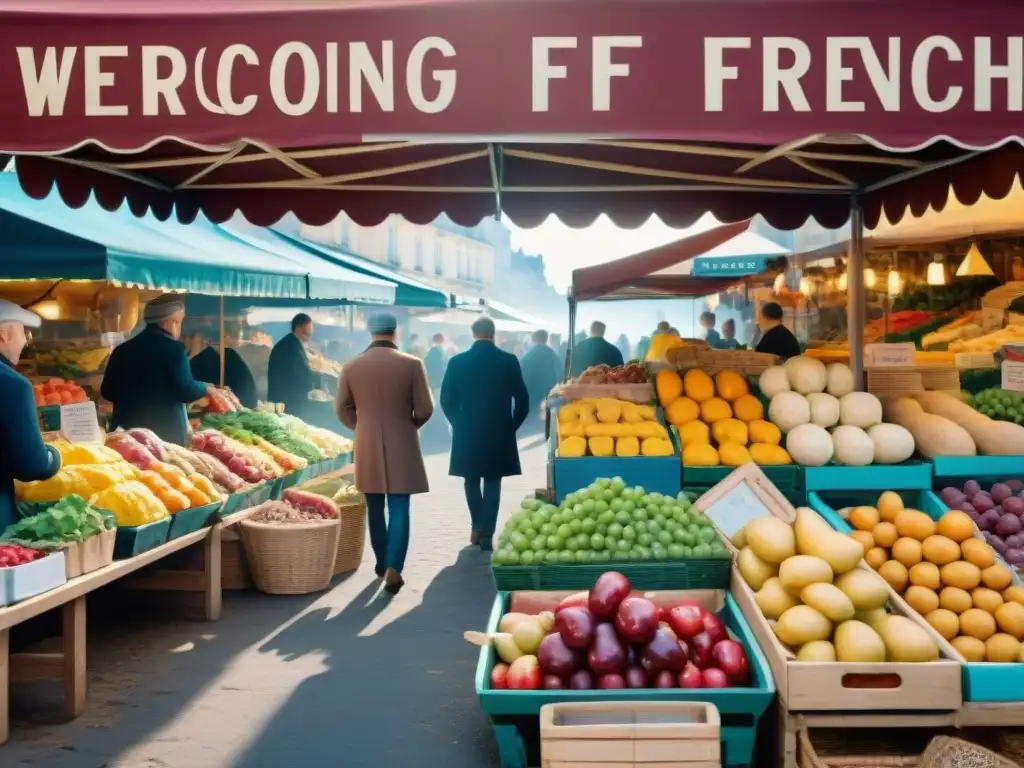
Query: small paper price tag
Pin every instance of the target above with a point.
(1013, 376)
(889, 355)
(79, 423)
(735, 509)
(111, 339)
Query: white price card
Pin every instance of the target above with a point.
(79, 423)
(111, 339)
(889, 355)
(1013, 375)
(735, 509)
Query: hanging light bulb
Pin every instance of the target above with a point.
(936, 273)
(974, 264)
(895, 283)
(712, 302)
(48, 309)
(780, 283)
(869, 278)
(805, 286)
(841, 283)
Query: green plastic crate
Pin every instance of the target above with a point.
(190, 520)
(514, 714)
(693, 573)
(132, 541)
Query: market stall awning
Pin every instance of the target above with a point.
(630, 107)
(657, 273)
(44, 239)
(465, 318)
(327, 279)
(407, 291)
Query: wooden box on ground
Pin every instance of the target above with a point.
(630, 734)
(95, 552)
(827, 686)
(514, 713)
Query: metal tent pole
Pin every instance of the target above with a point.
(855, 298)
(222, 340)
(571, 341)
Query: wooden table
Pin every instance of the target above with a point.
(69, 665)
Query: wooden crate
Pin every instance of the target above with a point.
(630, 735)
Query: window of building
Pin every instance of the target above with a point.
(392, 247)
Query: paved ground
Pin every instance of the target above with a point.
(346, 678)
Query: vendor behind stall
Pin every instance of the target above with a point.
(23, 456)
(237, 377)
(289, 376)
(148, 377)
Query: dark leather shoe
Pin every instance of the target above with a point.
(474, 537)
(393, 582)
(379, 570)
(486, 545)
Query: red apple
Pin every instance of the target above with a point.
(690, 677)
(687, 620)
(579, 600)
(552, 683)
(668, 628)
(715, 678)
(665, 679)
(524, 674)
(714, 627)
(700, 650)
(732, 660)
(499, 676)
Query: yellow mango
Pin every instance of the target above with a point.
(731, 385)
(733, 454)
(568, 413)
(681, 411)
(647, 412)
(767, 454)
(572, 447)
(748, 408)
(669, 387)
(698, 385)
(650, 429)
(631, 413)
(609, 412)
(695, 432)
(598, 429)
(601, 446)
(656, 446)
(729, 431)
(700, 455)
(627, 446)
(761, 431)
(715, 409)
(571, 429)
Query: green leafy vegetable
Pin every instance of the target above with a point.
(70, 519)
(269, 427)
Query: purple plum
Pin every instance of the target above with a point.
(1014, 556)
(1014, 541)
(971, 488)
(1014, 505)
(995, 542)
(982, 502)
(1015, 485)
(1008, 524)
(1000, 492)
(952, 497)
(988, 520)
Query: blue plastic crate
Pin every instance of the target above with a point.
(981, 681)
(910, 476)
(190, 520)
(135, 540)
(740, 708)
(656, 474)
(976, 467)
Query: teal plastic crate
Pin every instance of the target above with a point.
(982, 682)
(249, 498)
(141, 538)
(786, 478)
(190, 520)
(299, 476)
(693, 573)
(514, 714)
(977, 467)
(909, 476)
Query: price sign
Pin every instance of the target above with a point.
(79, 423)
(889, 355)
(111, 340)
(1013, 375)
(735, 509)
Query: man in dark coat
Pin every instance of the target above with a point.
(436, 433)
(237, 376)
(595, 351)
(485, 399)
(777, 339)
(542, 370)
(23, 454)
(289, 377)
(148, 378)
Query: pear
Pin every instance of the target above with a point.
(547, 620)
(505, 646)
(509, 620)
(527, 634)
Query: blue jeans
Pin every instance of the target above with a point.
(389, 536)
(483, 504)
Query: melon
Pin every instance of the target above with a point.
(773, 381)
(839, 379)
(893, 443)
(806, 375)
(824, 409)
(810, 445)
(860, 409)
(789, 410)
(853, 447)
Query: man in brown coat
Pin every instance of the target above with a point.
(383, 396)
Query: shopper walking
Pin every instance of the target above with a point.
(24, 456)
(383, 396)
(542, 370)
(148, 378)
(485, 399)
(436, 434)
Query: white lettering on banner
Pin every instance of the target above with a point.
(777, 77)
(790, 75)
(163, 88)
(544, 71)
(604, 69)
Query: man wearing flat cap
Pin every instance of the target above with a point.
(23, 454)
(383, 396)
(148, 378)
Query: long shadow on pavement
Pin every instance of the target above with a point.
(401, 697)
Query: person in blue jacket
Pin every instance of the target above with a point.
(484, 397)
(24, 456)
(148, 378)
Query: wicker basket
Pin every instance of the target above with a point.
(353, 536)
(291, 558)
(860, 747)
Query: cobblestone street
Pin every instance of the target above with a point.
(345, 678)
